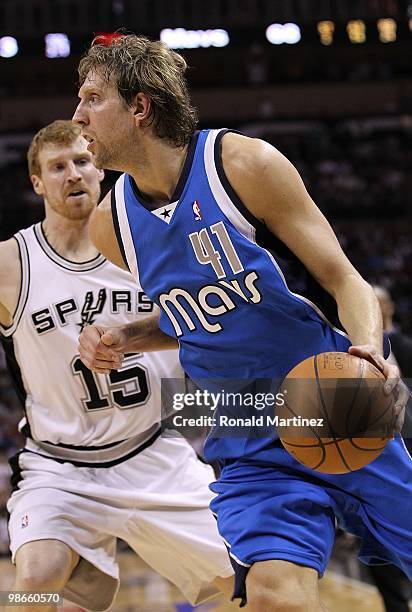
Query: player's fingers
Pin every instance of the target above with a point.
(365, 351)
(90, 333)
(104, 358)
(91, 346)
(370, 353)
(390, 371)
(402, 395)
(89, 338)
(392, 381)
(112, 338)
(107, 354)
(99, 366)
(399, 420)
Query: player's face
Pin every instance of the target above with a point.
(107, 122)
(69, 181)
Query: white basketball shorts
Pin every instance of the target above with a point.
(157, 502)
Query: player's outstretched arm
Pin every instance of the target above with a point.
(102, 349)
(272, 189)
(10, 279)
(103, 235)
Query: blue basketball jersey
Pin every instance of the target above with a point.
(222, 292)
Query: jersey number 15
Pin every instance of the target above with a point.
(128, 387)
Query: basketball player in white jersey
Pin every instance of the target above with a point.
(95, 467)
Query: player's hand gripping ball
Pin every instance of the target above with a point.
(336, 417)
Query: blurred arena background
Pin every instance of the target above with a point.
(328, 82)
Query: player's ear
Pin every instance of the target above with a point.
(37, 184)
(101, 175)
(141, 106)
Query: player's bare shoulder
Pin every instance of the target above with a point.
(250, 156)
(10, 279)
(264, 179)
(103, 234)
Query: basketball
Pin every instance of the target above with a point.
(335, 417)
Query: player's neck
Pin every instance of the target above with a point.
(158, 175)
(70, 239)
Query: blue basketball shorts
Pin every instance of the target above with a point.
(271, 507)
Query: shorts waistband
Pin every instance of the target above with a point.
(105, 456)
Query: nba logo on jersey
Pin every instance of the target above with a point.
(24, 521)
(196, 211)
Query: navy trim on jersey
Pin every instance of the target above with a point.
(225, 181)
(187, 166)
(105, 464)
(16, 471)
(286, 259)
(16, 378)
(62, 262)
(117, 227)
(241, 572)
(85, 448)
(181, 183)
(264, 237)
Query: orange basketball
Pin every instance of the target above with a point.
(336, 417)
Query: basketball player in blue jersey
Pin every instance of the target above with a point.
(190, 217)
(94, 467)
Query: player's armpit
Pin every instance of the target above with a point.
(103, 235)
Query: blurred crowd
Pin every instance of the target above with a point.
(255, 65)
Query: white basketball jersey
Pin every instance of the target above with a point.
(65, 403)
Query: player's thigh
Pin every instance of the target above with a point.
(45, 561)
(78, 521)
(380, 497)
(282, 586)
(178, 534)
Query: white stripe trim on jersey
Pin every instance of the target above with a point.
(124, 226)
(238, 561)
(24, 286)
(241, 224)
(405, 448)
(219, 193)
(230, 546)
(92, 456)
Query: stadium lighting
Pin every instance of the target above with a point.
(180, 38)
(279, 33)
(356, 30)
(326, 30)
(387, 30)
(8, 46)
(57, 45)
